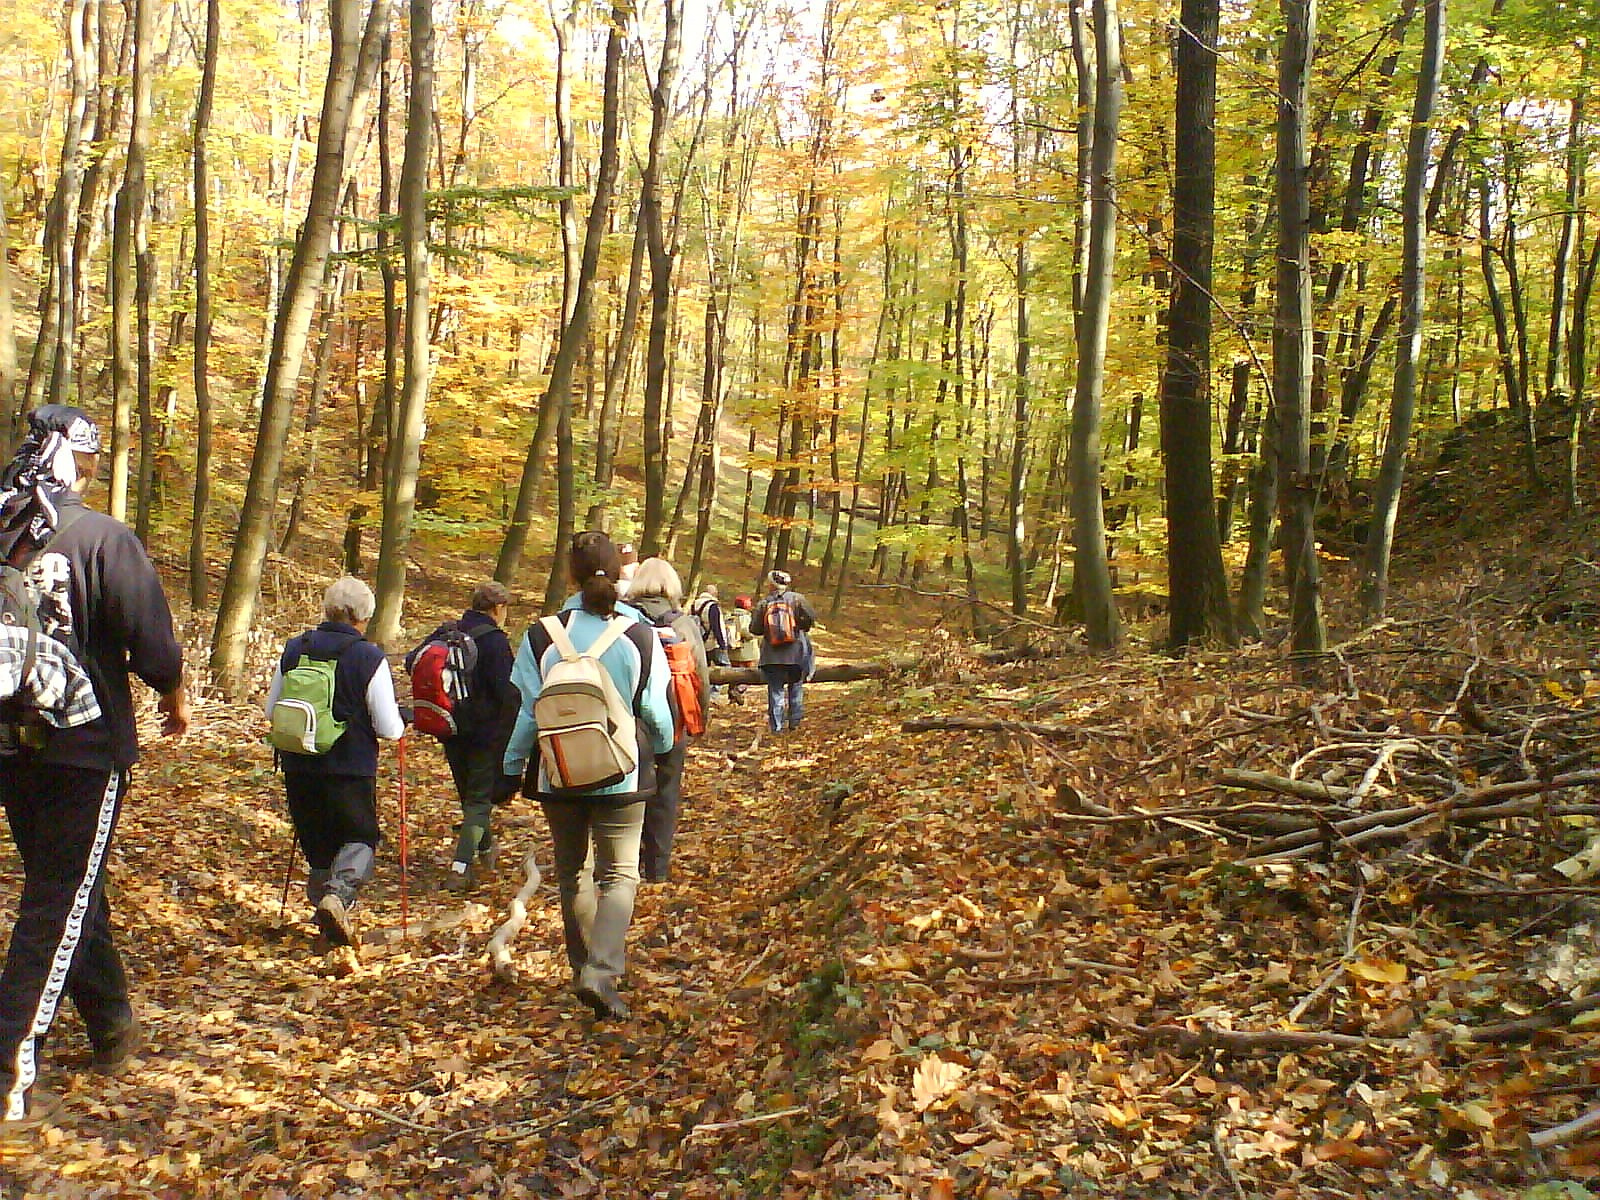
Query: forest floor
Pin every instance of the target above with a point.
(1026, 958)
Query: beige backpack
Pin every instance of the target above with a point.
(587, 735)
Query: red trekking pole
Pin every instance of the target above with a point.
(405, 848)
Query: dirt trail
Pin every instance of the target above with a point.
(276, 1068)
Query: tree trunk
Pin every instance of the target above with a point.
(1292, 329)
(1092, 571)
(662, 254)
(1413, 291)
(10, 419)
(381, 425)
(51, 375)
(1248, 615)
(405, 449)
(576, 331)
(1577, 351)
(1554, 373)
(1197, 584)
(130, 382)
(615, 388)
(351, 68)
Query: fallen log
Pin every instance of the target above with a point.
(1554, 1016)
(1249, 1041)
(989, 725)
(1304, 789)
(827, 673)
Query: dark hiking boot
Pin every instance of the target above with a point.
(458, 879)
(333, 919)
(112, 1053)
(603, 999)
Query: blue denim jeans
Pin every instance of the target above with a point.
(785, 704)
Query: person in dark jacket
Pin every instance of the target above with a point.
(785, 667)
(484, 722)
(657, 592)
(333, 797)
(99, 595)
(595, 834)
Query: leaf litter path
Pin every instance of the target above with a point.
(883, 969)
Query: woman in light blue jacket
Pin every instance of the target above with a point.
(596, 893)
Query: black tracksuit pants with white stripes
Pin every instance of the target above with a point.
(62, 819)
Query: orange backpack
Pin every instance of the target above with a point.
(683, 683)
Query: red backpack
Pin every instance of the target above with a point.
(441, 679)
(782, 628)
(683, 683)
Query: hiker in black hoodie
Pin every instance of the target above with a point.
(484, 721)
(98, 595)
(333, 797)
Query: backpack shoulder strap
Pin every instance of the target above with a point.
(615, 628)
(482, 632)
(558, 637)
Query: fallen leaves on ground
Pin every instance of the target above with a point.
(884, 967)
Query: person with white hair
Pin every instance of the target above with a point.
(333, 793)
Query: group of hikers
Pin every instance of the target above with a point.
(590, 715)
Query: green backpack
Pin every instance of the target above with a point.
(302, 718)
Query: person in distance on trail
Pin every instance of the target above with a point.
(707, 610)
(783, 621)
(658, 593)
(744, 647)
(482, 722)
(596, 819)
(630, 563)
(333, 794)
(104, 619)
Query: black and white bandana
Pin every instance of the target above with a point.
(43, 469)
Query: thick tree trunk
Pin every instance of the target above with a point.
(351, 68)
(405, 450)
(1413, 292)
(1292, 329)
(1198, 586)
(1092, 571)
(576, 331)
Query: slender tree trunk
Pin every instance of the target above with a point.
(10, 419)
(1092, 571)
(1554, 374)
(1577, 351)
(662, 255)
(51, 370)
(351, 67)
(1414, 295)
(1249, 615)
(130, 382)
(1292, 328)
(555, 588)
(614, 392)
(405, 450)
(576, 331)
(1198, 586)
(380, 429)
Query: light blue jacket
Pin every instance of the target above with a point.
(638, 668)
